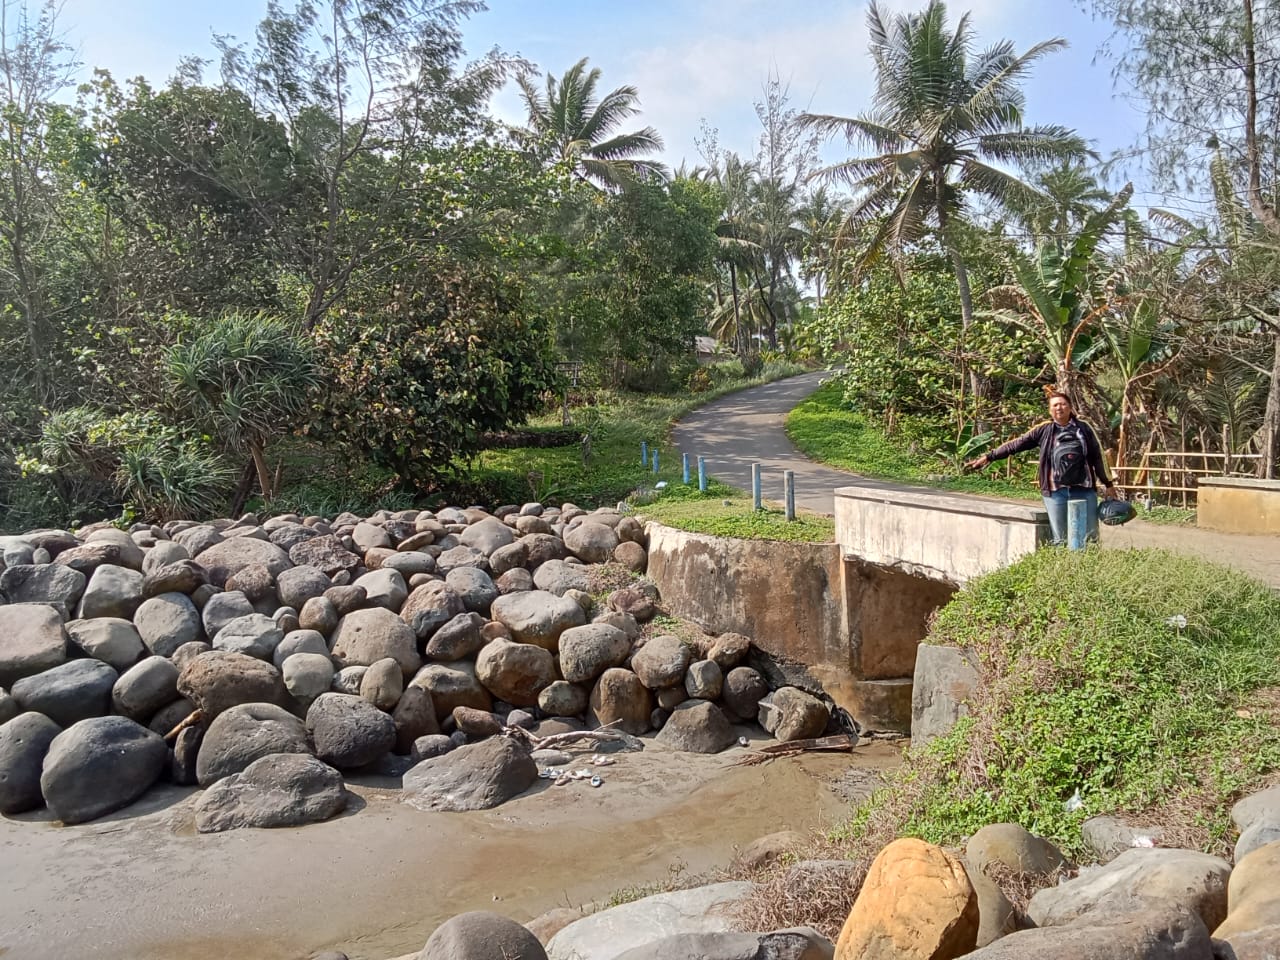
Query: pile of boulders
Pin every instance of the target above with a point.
(263, 658)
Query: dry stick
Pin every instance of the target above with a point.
(843, 743)
(559, 739)
(193, 718)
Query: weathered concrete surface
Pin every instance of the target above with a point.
(942, 536)
(945, 678)
(847, 622)
(1238, 505)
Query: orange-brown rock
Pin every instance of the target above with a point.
(916, 904)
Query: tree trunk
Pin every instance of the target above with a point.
(1270, 447)
(737, 311)
(260, 464)
(1265, 213)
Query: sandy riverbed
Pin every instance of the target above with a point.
(142, 885)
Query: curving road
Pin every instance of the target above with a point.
(749, 427)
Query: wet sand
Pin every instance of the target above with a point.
(374, 883)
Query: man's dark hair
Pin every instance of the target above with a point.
(1057, 393)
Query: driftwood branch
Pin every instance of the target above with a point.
(193, 718)
(842, 743)
(573, 736)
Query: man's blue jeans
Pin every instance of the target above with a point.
(1056, 504)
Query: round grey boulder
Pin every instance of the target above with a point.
(514, 581)
(558, 577)
(222, 608)
(363, 637)
(349, 732)
(255, 635)
(100, 765)
(168, 621)
(24, 741)
(704, 680)
(297, 585)
(245, 733)
(42, 583)
(318, 614)
(33, 640)
(562, 699)
(591, 649)
(537, 617)
(743, 690)
(661, 662)
(384, 588)
(430, 607)
(218, 680)
(233, 554)
(144, 688)
(791, 714)
(410, 562)
(481, 935)
(279, 790)
(591, 542)
(458, 639)
(112, 591)
(515, 672)
(300, 641)
(162, 554)
(619, 697)
(452, 685)
(69, 692)
(181, 576)
(307, 675)
(697, 726)
(113, 641)
(474, 586)
(383, 684)
(487, 536)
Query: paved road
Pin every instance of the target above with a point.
(748, 427)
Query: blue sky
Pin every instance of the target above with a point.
(689, 60)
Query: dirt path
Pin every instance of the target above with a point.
(749, 427)
(374, 883)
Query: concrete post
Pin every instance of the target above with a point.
(655, 459)
(789, 492)
(644, 453)
(1077, 523)
(684, 468)
(756, 498)
(702, 474)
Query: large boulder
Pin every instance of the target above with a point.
(167, 621)
(143, 689)
(1140, 930)
(558, 577)
(383, 684)
(42, 583)
(88, 557)
(453, 685)
(916, 903)
(515, 672)
(791, 714)
(297, 585)
(429, 607)
(562, 699)
(537, 617)
(591, 542)
(110, 639)
(245, 733)
(1015, 848)
(197, 539)
(218, 680)
(697, 726)
(1253, 896)
(112, 591)
(348, 731)
(704, 680)
(541, 547)
(481, 935)
(591, 649)
(232, 555)
(619, 698)
(181, 576)
(460, 556)
(744, 688)
(307, 675)
(799, 943)
(366, 536)
(474, 586)
(384, 588)
(609, 933)
(945, 678)
(256, 635)
(1195, 879)
(487, 536)
(363, 637)
(414, 717)
(69, 692)
(24, 741)
(131, 554)
(278, 790)
(100, 765)
(458, 639)
(32, 639)
(662, 662)
(326, 553)
(476, 776)
(221, 608)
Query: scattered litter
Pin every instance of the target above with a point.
(563, 779)
(597, 781)
(660, 485)
(1177, 621)
(1143, 841)
(581, 774)
(1074, 802)
(744, 742)
(600, 760)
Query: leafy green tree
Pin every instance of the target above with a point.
(247, 378)
(942, 121)
(570, 123)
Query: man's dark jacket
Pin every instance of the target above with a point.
(1041, 435)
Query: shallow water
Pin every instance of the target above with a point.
(142, 885)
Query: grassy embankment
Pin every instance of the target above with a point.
(1146, 682)
(607, 471)
(826, 430)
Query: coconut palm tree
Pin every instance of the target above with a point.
(943, 117)
(569, 123)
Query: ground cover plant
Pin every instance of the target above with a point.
(1145, 683)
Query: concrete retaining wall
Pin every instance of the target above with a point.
(1238, 505)
(855, 625)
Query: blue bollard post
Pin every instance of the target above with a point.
(789, 492)
(655, 459)
(684, 467)
(702, 474)
(644, 453)
(1077, 514)
(756, 498)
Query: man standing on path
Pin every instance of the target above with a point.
(1071, 466)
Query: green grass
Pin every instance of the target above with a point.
(1090, 682)
(1171, 516)
(725, 512)
(826, 430)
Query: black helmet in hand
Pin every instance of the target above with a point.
(1115, 512)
